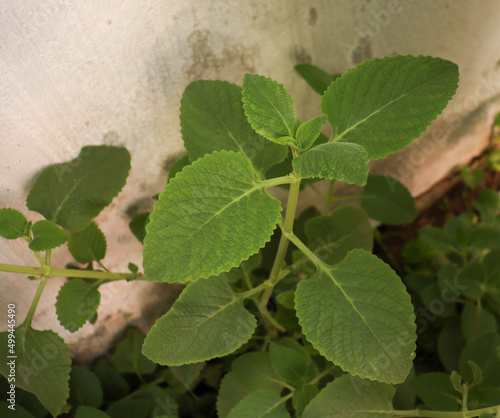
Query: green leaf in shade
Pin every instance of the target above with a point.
(269, 108)
(450, 344)
(76, 303)
(71, 194)
(114, 385)
(210, 218)
(177, 167)
(318, 79)
(472, 178)
(162, 404)
(187, 373)
(262, 403)
(213, 119)
(254, 371)
(340, 161)
(436, 390)
(231, 392)
(485, 237)
(348, 396)
(405, 396)
(13, 223)
(456, 381)
(359, 308)
(430, 295)
(131, 408)
(138, 225)
(458, 230)
(43, 365)
(208, 311)
(87, 245)
(436, 238)
(309, 131)
(47, 235)
(84, 411)
(84, 388)
(477, 374)
(286, 299)
(128, 357)
(332, 237)
(388, 201)
(19, 412)
(302, 396)
(471, 279)
(482, 351)
(477, 321)
(488, 204)
(290, 365)
(385, 103)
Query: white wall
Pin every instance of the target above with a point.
(93, 72)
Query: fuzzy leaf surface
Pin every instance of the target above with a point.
(290, 365)
(385, 103)
(309, 131)
(47, 235)
(386, 200)
(208, 311)
(76, 303)
(71, 194)
(334, 160)
(13, 223)
(231, 392)
(87, 245)
(43, 365)
(332, 236)
(212, 216)
(351, 397)
(359, 308)
(255, 371)
(213, 119)
(263, 403)
(269, 107)
(128, 357)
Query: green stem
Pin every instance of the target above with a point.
(293, 196)
(49, 271)
(312, 186)
(34, 304)
(445, 414)
(279, 180)
(307, 252)
(321, 375)
(329, 198)
(37, 254)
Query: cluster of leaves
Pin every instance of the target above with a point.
(454, 275)
(300, 319)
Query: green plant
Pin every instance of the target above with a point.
(214, 228)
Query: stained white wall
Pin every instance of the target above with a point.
(93, 72)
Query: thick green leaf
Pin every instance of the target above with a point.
(482, 351)
(269, 108)
(388, 201)
(42, 365)
(131, 408)
(76, 303)
(128, 357)
(472, 178)
(477, 321)
(302, 396)
(359, 309)
(291, 366)
(231, 392)
(488, 204)
(318, 79)
(263, 403)
(351, 397)
(162, 404)
(178, 166)
(385, 103)
(71, 194)
(89, 412)
(254, 371)
(13, 223)
(207, 311)
(114, 385)
(138, 225)
(436, 390)
(436, 238)
(210, 218)
(84, 388)
(450, 344)
(18, 412)
(309, 131)
(332, 237)
(87, 245)
(188, 373)
(340, 161)
(485, 237)
(471, 279)
(213, 119)
(47, 235)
